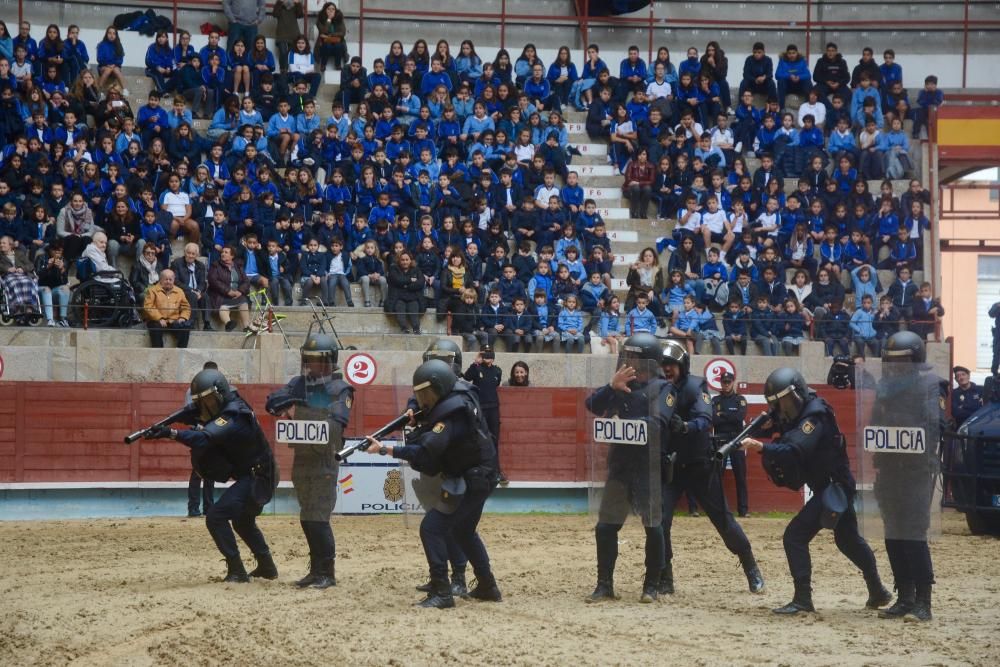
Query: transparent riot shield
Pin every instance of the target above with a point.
(420, 491)
(900, 414)
(624, 449)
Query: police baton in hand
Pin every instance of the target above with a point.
(396, 424)
(735, 442)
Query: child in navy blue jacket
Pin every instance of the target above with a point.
(734, 326)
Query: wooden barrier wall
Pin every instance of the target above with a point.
(72, 432)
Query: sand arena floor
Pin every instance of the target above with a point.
(143, 592)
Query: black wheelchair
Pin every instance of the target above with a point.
(101, 298)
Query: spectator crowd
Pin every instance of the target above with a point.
(446, 180)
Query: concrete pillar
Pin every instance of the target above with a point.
(271, 351)
(88, 355)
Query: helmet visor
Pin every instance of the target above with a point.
(634, 358)
(209, 404)
(317, 365)
(786, 404)
(426, 395)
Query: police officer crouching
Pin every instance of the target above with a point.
(450, 441)
(729, 410)
(811, 450)
(634, 474)
(228, 443)
(695, 469)
(449, 352)
(319, 393)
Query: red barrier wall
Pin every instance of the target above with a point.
(72, 432)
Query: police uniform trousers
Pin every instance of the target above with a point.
(492, 416)
(806, 524)
(739, 463)
(316, 490)
(905, 499)
(702, 480)
(236, 510)
(438, 529)
(200, 491)
(621, 498)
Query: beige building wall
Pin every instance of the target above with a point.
(969, 216)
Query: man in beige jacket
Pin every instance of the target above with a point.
(166, 309)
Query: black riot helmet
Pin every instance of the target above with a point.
(904, 346)
(641, 351)
(210, 392)
(432, 381)
(319, 356)
(445, 350)
(786, 392)
(674, 353)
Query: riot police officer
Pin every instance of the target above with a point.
(319, 393)
(487, 376)
(449, 352)
(966, 398)
(729, 410)
(634, 473)
(228, 443)
(811, 450)
(450, 442)
(695, 469)
(908, 396)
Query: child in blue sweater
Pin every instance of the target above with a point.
(570, 325)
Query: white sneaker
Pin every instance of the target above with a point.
(64, 323)
(50, 323)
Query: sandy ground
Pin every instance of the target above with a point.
(142, 592)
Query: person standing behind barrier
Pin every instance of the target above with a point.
(729, 411)
(486, 377)
(198, 486)
(287, 14)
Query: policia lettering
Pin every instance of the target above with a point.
(811, 450)
(228, 443)
(908, 397)
(695, 469)
(450, 441)
(319, 393)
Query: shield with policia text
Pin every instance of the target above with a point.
(624, 452)
(900, 413)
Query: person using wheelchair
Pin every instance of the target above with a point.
(20, 286)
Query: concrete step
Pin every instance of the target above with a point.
(603, 194)
(587, 172)
(623, 236)
(599, 150)
(614, 213)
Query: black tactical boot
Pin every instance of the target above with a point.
(486, 589)
(311, 577)
(605, 590)
(424, 588)
(440, 596)
(650, 590)
(458, 586)
(754, 578)
(921, 609)
(878, 595)
(324, 575)
(666, 583)
(266, 569)
(801, 601)
(905, 597)
(235, 572)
